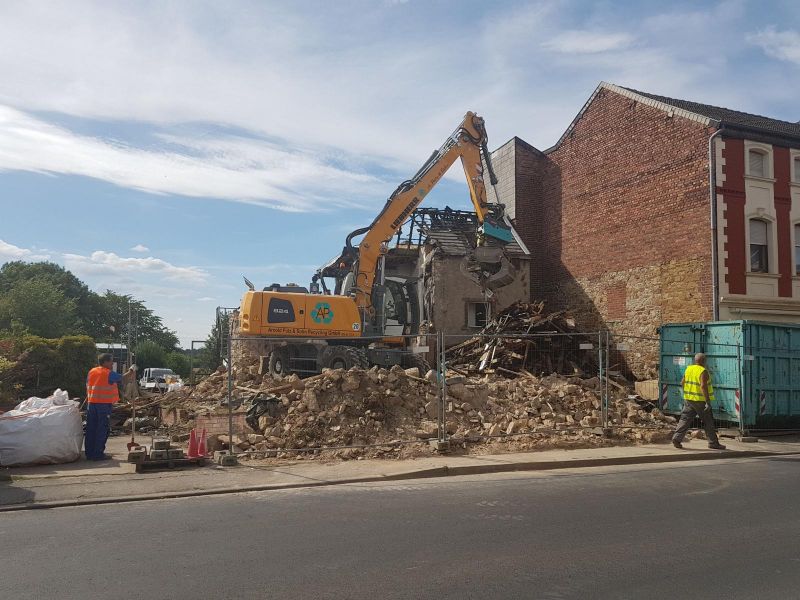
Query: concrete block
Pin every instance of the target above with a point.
(748, 439)
(137, 455)
(161, 444)
(175, 453)
(647, 389)
(225, 458)
(159, 454)
(440, 446)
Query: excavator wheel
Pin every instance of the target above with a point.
(415, 360)
(344, 357)
(278, 364)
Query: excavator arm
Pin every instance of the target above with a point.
(469, 143)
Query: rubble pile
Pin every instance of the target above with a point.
(380, 408)
(496, 349)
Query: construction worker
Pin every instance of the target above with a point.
(102, 392)
(698, 394)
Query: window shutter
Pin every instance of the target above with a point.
(758, 232)
(797, 169)
(756, 163)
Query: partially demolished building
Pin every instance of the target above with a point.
(435, 251)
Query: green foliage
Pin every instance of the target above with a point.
(150, 355)
(33, 365)
(211, 354)
(47, 300)
(39, 307)
(147, 325)
(179, 363)
(88, 313)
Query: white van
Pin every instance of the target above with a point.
(160, 379)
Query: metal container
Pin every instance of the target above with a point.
(755, 370)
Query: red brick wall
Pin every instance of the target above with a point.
(733, 198)
(783, 206)
(616, 298)
(624, 226)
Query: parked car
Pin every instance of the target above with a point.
(160, 379)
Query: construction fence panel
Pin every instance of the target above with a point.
(536, 388)
(756, 381)
(348, 410)
(638, 406)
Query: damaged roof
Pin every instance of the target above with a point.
(454, 242)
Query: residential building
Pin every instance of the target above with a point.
(653, 210)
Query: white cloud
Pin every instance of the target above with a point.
(587, 42)
(206, 299)
(346, 88)
(10, 252)
(113, 267)
(783, 45)
(140, 248)
(228, 167)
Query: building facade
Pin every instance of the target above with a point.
(652, 210)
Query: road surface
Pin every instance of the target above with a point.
(718, 529)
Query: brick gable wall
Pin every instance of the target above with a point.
(623, 228)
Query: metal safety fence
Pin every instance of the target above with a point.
(292, 397)
(756, 383)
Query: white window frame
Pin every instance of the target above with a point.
(766, 150)
(771, 244)
(795, 244)
(794, 158)
(471, 320)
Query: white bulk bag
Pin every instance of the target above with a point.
(41, 431)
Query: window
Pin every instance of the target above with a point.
(797, 168)
(759, 253)
(477, 314)
(757, 163)
(797, 249)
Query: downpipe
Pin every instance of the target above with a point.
(712, 189)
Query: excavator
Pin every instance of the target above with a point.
(307, 331)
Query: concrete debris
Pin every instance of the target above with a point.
(368, 412)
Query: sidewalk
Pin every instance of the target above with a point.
(82, 482)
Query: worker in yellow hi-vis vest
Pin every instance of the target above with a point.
(698, 394)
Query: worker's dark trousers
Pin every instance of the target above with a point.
(97, 429)
(689, 412)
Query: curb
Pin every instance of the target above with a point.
(435, 472)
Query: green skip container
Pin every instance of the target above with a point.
(755, 369)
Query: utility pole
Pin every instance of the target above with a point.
(130, 334)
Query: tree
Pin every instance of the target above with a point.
(147, 325)
(150, 355)
(211, 353)
(87, 308)
(39, 307)
(179, 363)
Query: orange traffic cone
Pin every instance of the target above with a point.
(201, 444)
(192, 453)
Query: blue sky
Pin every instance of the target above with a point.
(165, 149)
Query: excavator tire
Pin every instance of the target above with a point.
(415, 360)
(279, 364)
(344, 357)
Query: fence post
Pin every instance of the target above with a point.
(232, 446)
(603, 394)
(442, 389)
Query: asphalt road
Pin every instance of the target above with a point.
(722, 529)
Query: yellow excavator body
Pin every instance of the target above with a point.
(282, 314)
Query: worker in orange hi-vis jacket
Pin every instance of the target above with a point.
(102, 392)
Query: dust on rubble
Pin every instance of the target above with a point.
(376, 412)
